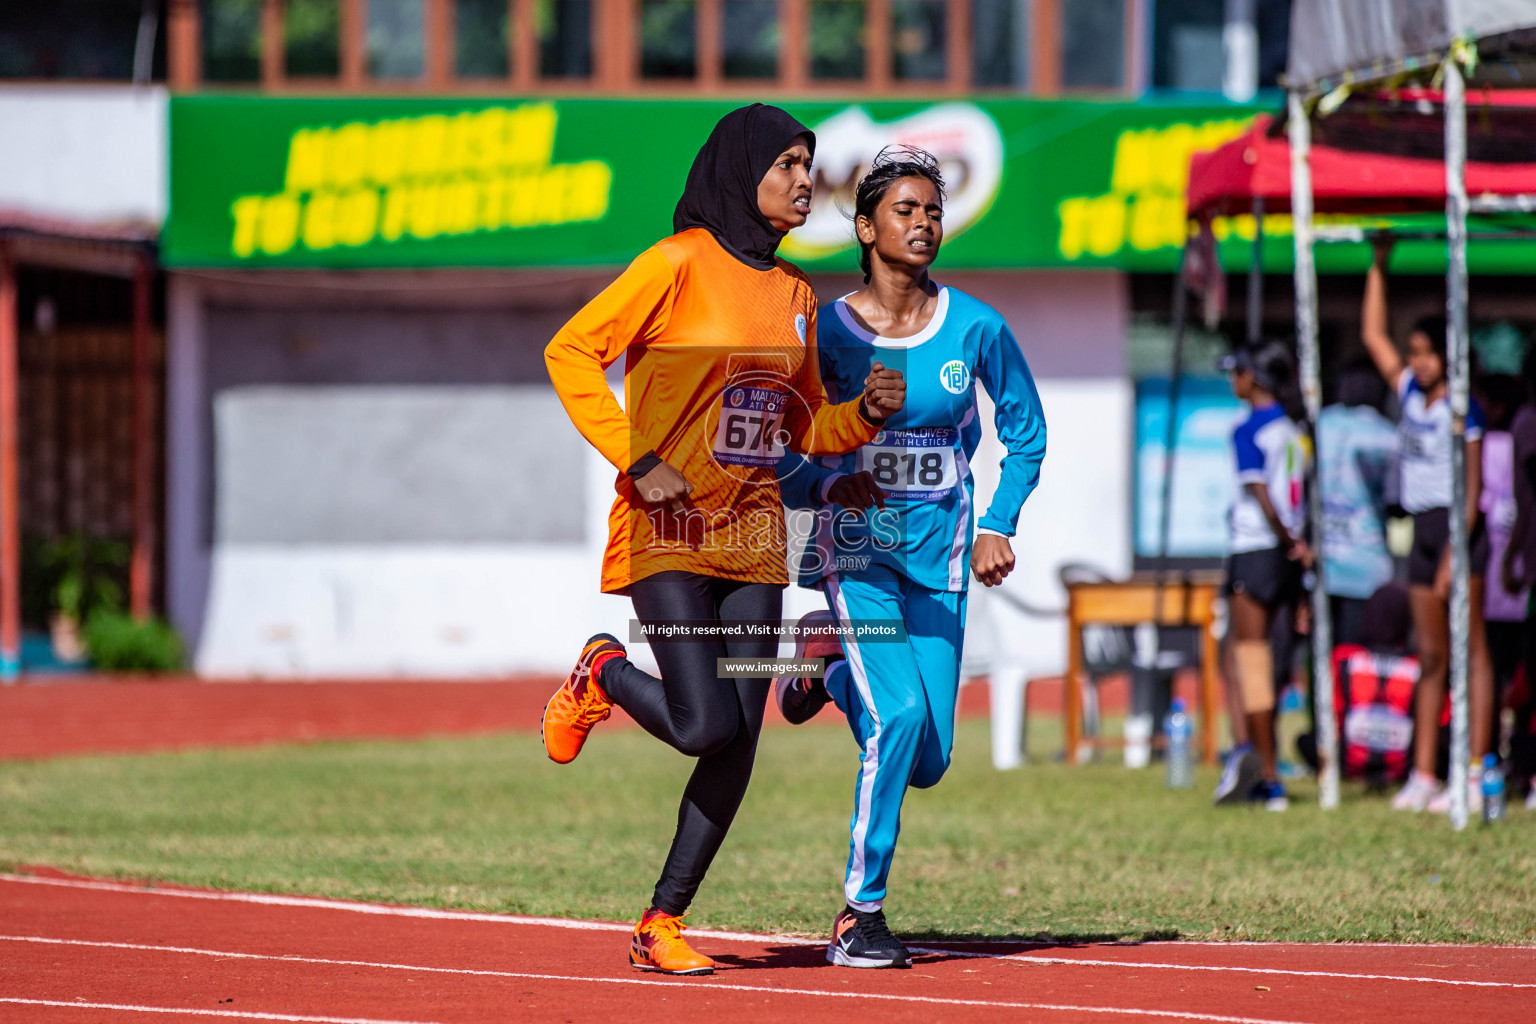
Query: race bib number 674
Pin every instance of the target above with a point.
(750, 431)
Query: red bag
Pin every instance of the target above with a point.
(1373, 698)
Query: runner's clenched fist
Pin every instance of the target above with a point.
(885, 392)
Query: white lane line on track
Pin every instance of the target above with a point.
(694, 984)
(1020, 959)
(242, 1014)
(427, 913)
(383, 909)
(1030, 958)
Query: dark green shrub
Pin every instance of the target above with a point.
(73, 575)
(116, 642)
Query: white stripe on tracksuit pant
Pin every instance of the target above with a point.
(899, 699)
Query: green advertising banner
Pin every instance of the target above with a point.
(451, 182)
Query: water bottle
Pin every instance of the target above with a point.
(1181, 774)
(1493, 789)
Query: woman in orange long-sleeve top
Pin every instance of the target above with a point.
(721, 376)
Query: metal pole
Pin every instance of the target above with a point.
(1457, 372)
(1170, 442)
(142, 560)
(1312, 395)
(1503, 204)
(1256, 276)
(144, 43)
(1171, 433)
(10, 525)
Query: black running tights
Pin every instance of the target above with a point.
(694, 710)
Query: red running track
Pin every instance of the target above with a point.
(104, 715)
(74, 951)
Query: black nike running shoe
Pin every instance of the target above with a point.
(800, 697)
(864, 940)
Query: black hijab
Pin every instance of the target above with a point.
(721, 192)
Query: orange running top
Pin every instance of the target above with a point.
(720, 376)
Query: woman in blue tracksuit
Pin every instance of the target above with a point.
(894, 522)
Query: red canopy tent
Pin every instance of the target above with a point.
(1257, 165)
(1374, 157)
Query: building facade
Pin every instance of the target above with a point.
(373, 214)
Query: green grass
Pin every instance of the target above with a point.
(489, 824)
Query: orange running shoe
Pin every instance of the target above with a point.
(659, 945)
(580, 703)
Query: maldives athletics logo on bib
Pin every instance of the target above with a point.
(955, 376)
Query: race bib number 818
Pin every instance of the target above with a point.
(918, 464)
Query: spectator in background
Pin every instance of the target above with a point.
(1517, 567)
(1355, 449)
(1503, 607)
(1267, 553)
(1424, 440)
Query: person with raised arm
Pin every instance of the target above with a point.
(1425, 492)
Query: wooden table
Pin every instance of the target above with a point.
(1187, 599)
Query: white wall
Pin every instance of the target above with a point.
(1072, 327)
(1079, 513)
(94, 153)
(410, 609)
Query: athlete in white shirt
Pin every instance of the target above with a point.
(1266, 556)
(1424, 436)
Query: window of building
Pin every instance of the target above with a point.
(232, 40)
(1000, 42)
(1186, 44)
(837, 39)
(396, 29)
(312, 38)
(918, 33)
(1093, 44)
(750, 44)
(480, 40)
(1087, 43)
(668, 39)
(91, 39)
(565, 37)
(1274, 23)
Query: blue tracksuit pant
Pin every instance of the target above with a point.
(899, 698)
